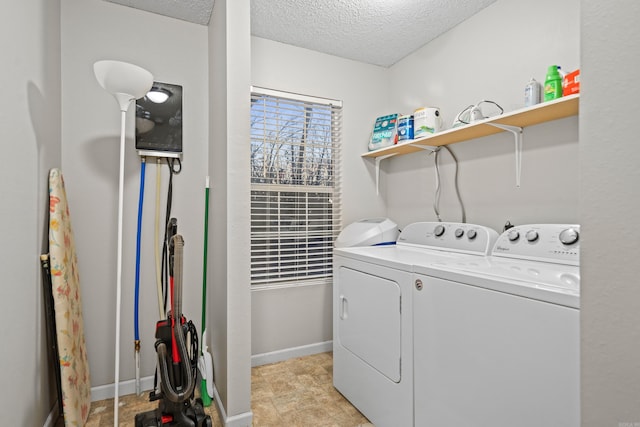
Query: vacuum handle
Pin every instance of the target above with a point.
(177, 243)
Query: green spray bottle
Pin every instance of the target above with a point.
(552, 84)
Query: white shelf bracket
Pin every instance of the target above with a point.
(378, 160)
(517, 133)
(426, 147)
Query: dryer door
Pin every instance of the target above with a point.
(369, 320)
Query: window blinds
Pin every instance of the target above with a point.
(295, 187)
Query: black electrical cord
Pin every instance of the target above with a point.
(175, 167)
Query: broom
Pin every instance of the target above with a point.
(205, 362)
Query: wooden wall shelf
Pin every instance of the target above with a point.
(514, 122)
(539, 113)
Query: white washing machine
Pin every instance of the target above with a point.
(372, 327)
(496, 339)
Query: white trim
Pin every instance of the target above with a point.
(241, 420)
(295, 96)
(290, 353)
(107, 391)
(53, 416)
(292, 284)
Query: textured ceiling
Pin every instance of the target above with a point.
(196, 11)
(379, 32)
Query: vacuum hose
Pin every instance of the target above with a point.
(173, 392)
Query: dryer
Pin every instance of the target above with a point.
(496, 339)
(373, 314)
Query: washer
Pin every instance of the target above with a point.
(496, 340)
(373, 314)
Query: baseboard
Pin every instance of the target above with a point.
(290, 353)
(241, 420)
(53, 416)
(108, 391)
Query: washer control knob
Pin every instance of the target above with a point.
(532, 236)
(513, 235)
(569, 236)
(472, 234)
(459, 232)
(439, 230)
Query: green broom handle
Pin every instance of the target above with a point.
(204, 262)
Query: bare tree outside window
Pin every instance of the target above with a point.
(295, 200)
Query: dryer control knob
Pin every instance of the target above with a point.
(569, 236)
(532, 235)
(459, 232)
(513, 235)
(472, 234)
(439, 230)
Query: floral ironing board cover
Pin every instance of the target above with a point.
(74, 367)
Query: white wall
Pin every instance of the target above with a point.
(292, 317)
(175, 52)
(229, 98)
(490, 56)
(30, 135)
(609, 206)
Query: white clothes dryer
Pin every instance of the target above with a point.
(372, 328)
(496, 339)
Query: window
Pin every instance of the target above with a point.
(295, 187)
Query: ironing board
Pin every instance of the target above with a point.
(65, 284)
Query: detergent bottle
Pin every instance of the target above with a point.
(552, 84)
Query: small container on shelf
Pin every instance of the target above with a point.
(532, 93)
(571, 83)
(405, 128)
(553, 83)
(385, 132)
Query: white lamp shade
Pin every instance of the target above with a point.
(127, 82)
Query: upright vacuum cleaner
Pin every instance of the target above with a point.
(177, 364)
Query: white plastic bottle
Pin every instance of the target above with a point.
(532, 93)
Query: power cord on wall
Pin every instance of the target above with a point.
(436, 201)
(175, 167)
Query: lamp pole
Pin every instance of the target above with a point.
(126, 82)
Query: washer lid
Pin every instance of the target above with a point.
(555, 283)
(398, 256)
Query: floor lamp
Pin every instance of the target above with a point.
(126, 82)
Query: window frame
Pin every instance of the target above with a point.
(331, 225)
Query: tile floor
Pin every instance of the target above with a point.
(295, 393)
